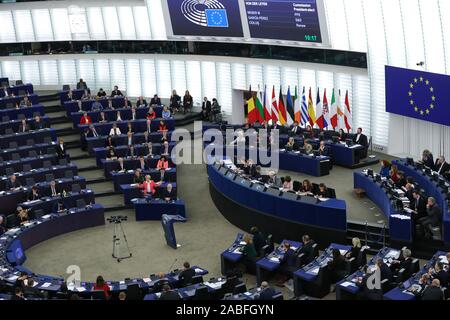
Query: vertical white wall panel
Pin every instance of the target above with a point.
(60, 24)
(224, 87)
(148, 78)
(141, 23)
(133, 77)
(102, 75)
(86, 71)
(164, 82)
(8, 33)
(24, 25)
(95, 22)
(238, 76)
(118, 75)
(49, 72)
(178, 74)
(67, 72)
(194, 80)
(30, 72)
(126, 21)
(209, 87)
(42, 24)
(111, 22)
(11, 70)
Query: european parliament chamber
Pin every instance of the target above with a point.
(240, 152)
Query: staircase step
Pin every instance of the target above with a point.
(87, 168)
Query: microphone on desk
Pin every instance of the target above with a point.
(171, 266)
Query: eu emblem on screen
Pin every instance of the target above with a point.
(216, 18)
(418, 94)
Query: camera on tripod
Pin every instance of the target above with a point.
(117, 219)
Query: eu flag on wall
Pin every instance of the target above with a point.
(418, 94)
(216, 18)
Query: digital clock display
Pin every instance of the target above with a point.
(284, 20)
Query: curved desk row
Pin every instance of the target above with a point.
(400, 223)
(316, 166)
(245, 204)
(14, 243)
(432, 189)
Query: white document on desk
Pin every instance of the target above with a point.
(348, 284)
(314, 271)
(355, 146)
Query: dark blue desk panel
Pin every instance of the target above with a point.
(120, 178)
(77, 94)
(131, 164)
(306, 279)
(38, 175)
(138, 126)
(266, 266)
(47, 228)
(21, 138)
(154, 209)
(111, 115)
(86, 105)
(291, 161)
(28, 112)
(11, 102)
(10, 199)
(35, 163)
(14, 124)
(19, 90)
(432, 189)
(139, 150)
(131, 191)
(401, 293)
(100, 142)
(329, 214)
(23, 151)
(351, 291)
(400, 230)
(47, 203)
(231, 256)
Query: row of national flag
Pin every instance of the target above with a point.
(321, 114)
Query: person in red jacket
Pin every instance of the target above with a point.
(162, 126)
(148, 186)
(151, 114)
(162, 164)
(85, 119)
(101, 285)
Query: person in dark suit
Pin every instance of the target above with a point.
(188, 101)
(323, 150)
(385, 271)
(155, 101)
(138, 178)
(13, 183)
(336, 266)
(419, 205)
(38, 124)
(433, 292)
(433, 218)
(101, 93)
(141, 102)
(258, 239)
(266, 292)
(360, 138)
(110, 143)
(185, 276)
(175, 101)
(441, 166)
(18, 294)
(61, 149)
(341, 135)
(160, 283)
(427, 159)
(116, 92)
(307, 249)
(288, 262)
(34, 194)
(169, 294)
(295, 129)
(168, 193)
(366, 293)
(206, 109)
(323, 191)
(355, 250)
(23, 127)
(291, 145)
(439, 273)
(30, 290)
(81, 85)
(404, 262)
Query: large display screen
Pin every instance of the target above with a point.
(284, 20)
(219, 18)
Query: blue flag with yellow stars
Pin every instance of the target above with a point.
(418, 94)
